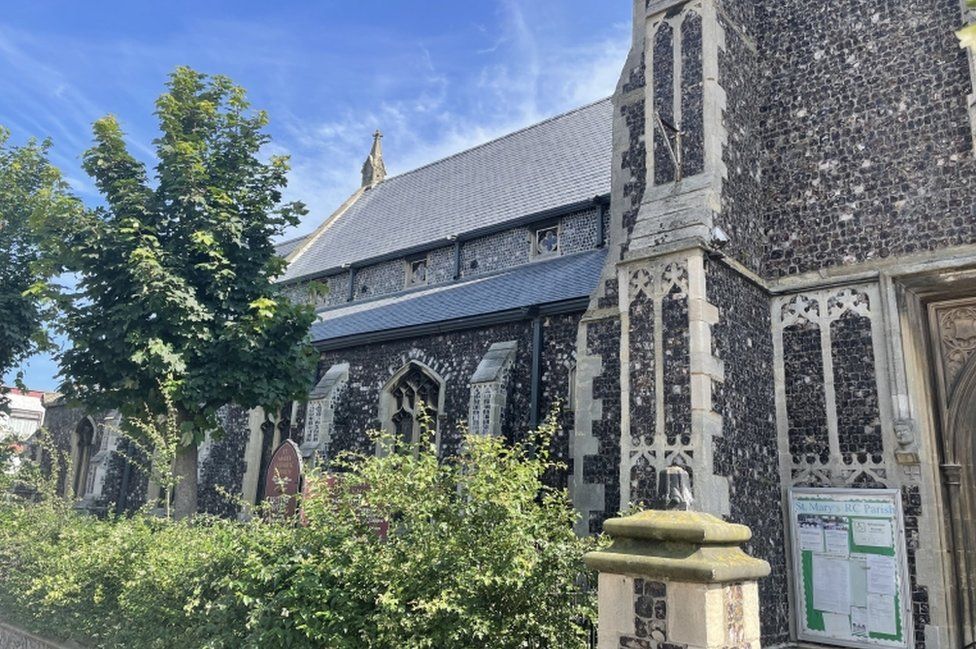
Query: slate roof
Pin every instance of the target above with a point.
(537, 283)
(559, 162)
(285, 248)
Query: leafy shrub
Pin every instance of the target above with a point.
(477, 552)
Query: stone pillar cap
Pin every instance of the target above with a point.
(678, 546)
(678, 526)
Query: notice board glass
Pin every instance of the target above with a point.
(849, 567)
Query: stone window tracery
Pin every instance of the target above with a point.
(84, 448)
(417, 272)
(416, 398)
(545, 241)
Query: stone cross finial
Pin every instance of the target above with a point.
(374, 170)
(675, 489)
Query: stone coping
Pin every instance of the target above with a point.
(678, 526)
(678, 546)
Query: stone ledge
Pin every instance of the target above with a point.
(678, 546)
(678, 526)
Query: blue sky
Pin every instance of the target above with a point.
(435, 76)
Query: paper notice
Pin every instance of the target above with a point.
(859, 621)
(837, 625)
(837, 541)
(811, 537)
(882, 577)
(831, 584)
(881, 614)
(859, 581)
(873, 533)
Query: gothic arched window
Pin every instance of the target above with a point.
(84, 438)
(413, 395)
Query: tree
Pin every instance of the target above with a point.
(32, 192)
(175, 301)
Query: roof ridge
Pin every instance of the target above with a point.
(495, 140)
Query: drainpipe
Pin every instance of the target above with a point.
(351, 292)
(457, 258)
(123, 501)
(536, 371)
(601, 233)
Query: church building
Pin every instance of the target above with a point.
(756, 260)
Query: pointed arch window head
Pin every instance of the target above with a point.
(416, 396)
(411, 402)
(83, 451)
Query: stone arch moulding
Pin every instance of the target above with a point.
(82, 447)
(107, 443)
(395, 401)
(960, 479)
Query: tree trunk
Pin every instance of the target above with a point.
(185, 493)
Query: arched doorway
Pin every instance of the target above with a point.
(82, 450)
(960, 474)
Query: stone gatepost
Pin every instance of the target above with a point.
(677, 580)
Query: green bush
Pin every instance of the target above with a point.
(479, 553)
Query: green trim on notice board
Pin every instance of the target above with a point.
(849, 506)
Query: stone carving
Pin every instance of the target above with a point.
(907, 451)
(957, 338)
(374, 169)
(675, 274)
(656, 280)
(849, 300)
(640, 282)
(675, 489)
(800, 310)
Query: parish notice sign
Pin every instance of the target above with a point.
(850, 567)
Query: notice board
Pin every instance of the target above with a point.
(849, 567)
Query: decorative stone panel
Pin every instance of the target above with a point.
(831, 369)
(667, 376)
(956, 327)
(677, 94)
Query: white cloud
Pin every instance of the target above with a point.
(527, 77)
